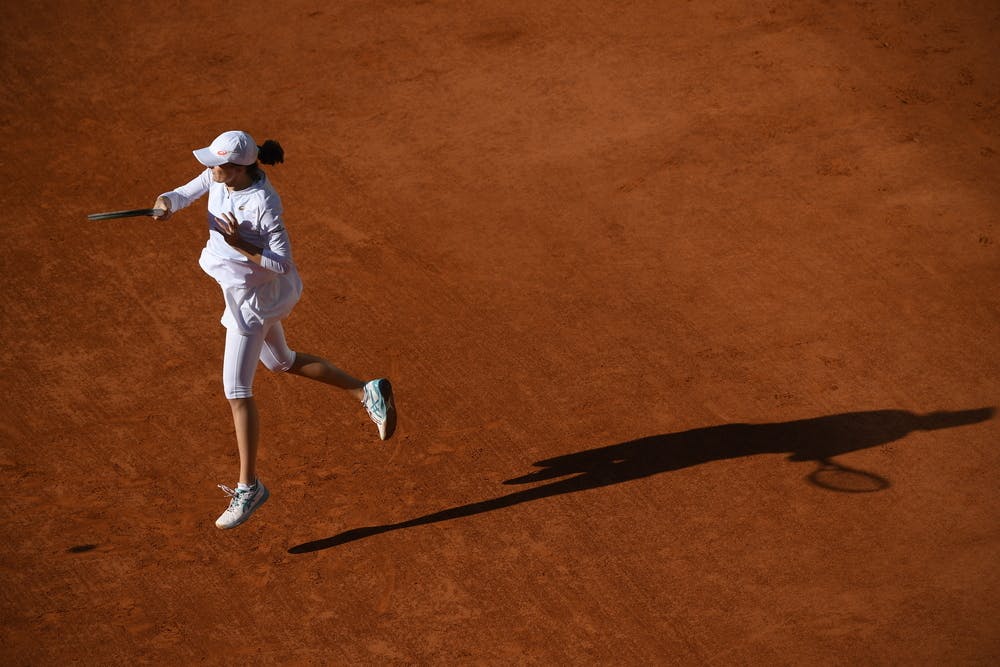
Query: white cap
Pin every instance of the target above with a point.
(233, 146)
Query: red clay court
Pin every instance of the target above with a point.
(691, 309)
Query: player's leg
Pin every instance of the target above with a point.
(246, 421)
(238, 369)
(321, 370)
(376, 395)
(277, 356)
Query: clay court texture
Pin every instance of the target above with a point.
(691, 309)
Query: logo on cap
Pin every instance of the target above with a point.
(222, 152)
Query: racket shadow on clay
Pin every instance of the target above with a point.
(816, 440)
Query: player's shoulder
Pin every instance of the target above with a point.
(266, 193)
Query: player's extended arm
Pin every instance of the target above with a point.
(182, 197)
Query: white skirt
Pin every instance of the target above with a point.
(253, 307)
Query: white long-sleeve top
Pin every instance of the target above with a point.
(254, 293)
(258, 210)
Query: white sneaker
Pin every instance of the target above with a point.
(380, 406)
(242, 504)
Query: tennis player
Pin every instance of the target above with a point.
(249, 254)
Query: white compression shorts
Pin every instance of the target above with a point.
(243, 349)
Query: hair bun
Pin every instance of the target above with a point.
(270, 152)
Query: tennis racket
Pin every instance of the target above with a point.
(130, 213)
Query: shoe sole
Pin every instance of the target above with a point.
(267, 494)
(385, 388)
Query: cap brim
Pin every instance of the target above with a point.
(209, 158)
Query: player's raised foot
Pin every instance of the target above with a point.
(242, 504)
(380, 406)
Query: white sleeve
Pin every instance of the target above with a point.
(186, 194)
(277, 254)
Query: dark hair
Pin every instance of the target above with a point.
(269, 152)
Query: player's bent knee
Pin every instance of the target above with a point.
(280, 365)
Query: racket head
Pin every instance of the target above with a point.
(129, 213)
(843, 479)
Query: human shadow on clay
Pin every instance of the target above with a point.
(818, 439)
